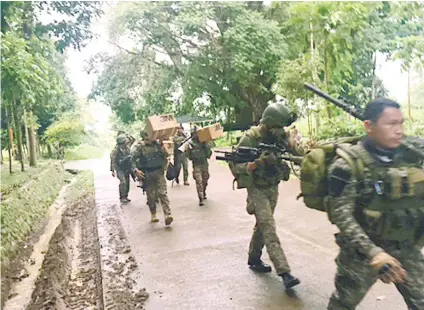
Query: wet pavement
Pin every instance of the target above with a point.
(200, 262)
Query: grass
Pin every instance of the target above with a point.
(15, 180)
(26, 204)
(83, 186)
(84, 151)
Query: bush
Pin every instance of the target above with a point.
(83, 151)
(340, 128)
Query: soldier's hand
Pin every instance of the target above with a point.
(268, 158)
(394, 274)
(251, 166)
(113, 173)
(139, 173)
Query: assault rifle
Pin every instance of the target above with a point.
(243, 154)
(358, 114)
(125, 164)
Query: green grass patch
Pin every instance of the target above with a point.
(9, 182)
(83, 186)
(84, 151)
(24, 207)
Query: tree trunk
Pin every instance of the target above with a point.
(10, 131)
(326, 77)
(1, 159)
(374, 91)
(18, 131)
(409, 94)
(49, 149)
(32, 146)
(26, 132)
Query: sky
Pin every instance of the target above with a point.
(390, 72)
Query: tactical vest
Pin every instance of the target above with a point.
(152, 158)
(200, 153)
(262, 177)
(390, 204)
(123, 159)
(178, 139)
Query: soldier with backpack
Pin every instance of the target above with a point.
(374, 194)
(261, 179)
(120, 166)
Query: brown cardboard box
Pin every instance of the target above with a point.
(161, 126)
(210, 133)
(169, 146)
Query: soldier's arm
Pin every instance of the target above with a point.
(135, 155)
(295, 147)
(131, 140)
(341, 209)
(113, 159)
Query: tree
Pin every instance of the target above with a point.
(68, 131)
(197, 44)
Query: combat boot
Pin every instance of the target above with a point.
(288, 280)
(186, 183)
(259, 266)
(204, 195)
(168, 220)
(154, 218)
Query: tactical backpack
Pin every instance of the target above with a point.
(314, 169)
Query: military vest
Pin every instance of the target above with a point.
(200, 152)
(178, 139)
(152, 157)
(123, 159)
(390, 204)
(263, 176)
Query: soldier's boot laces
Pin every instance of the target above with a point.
(289, 281)
(154, 218)
(168, 220)
(259, 266)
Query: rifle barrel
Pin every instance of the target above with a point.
(352, 111)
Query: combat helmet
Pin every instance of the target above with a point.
(121, 139)
(277, 115)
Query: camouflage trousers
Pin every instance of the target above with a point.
(124, 183)
(181, 160)
(156, 191)
(355, 277)
(201, 176)
(261, 203)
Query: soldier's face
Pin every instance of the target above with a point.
(387, 131)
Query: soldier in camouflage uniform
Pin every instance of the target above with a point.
(379, 211)
(199, 153)
(180, 158)
(149, 161)
(261, 178)
(120, 165)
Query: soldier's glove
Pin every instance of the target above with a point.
(389, 268)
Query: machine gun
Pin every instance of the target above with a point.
(243, 154)
(358, 114)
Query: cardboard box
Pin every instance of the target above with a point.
(161, 126)
(210, 133)
(169, 146)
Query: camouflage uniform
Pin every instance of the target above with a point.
(180, 158)
(199, 153)
(151, 159)
(262, 197)
(349, 207)
(123, 173)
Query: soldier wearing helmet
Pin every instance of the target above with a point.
(261, 178)
(120, 165)
(149, 162)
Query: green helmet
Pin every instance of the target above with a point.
(277, 115)
(121, 139)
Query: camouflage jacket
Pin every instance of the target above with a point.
(148, 156)
(117, 155)
(345, 193)
(252, 138)
(199, 152)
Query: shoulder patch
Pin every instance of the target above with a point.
(339, 178)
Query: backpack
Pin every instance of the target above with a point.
(314, 169)
(171, 172)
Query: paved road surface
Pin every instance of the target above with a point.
(201, 261)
